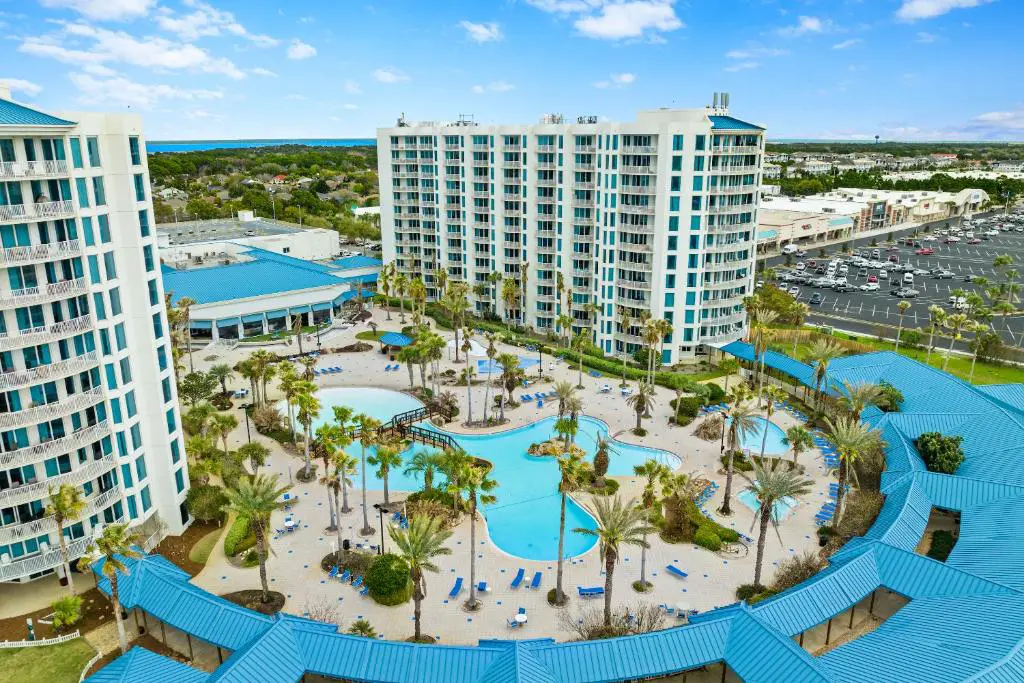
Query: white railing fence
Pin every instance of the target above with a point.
(7, 644)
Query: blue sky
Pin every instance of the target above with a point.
(902, 69)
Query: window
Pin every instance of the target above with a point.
(126, 371)
(129, 401)
(90, 241)
(677, 143)
(115, 301)
(109, 267)
(677, 163)
(133, 148)
(154, 297)
(133, 511)
(104, 223)
(146, 502)
(92, 145)
(158, 332)
(166, 386)
(101, 310)
(673, 203)
(698, 183)
(673, 243)
(147, 258)
(175, 451)
(94, 270)
(144, 223)
(699, 143)
(161, 354)
(126, 472)
(695, 203)
(140, 187)
(677, 184)
(698, 163)
(115, 410)
(670, 299)
(76, 152)
(98, 191)
(83, 193)
(179, 481)
(122, 343)
(172, 424)
(694, 222)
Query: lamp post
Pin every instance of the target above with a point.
(381, 509)
(245, 411)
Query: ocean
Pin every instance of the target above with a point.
(203, 145)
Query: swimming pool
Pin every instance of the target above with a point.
(524, 521)
(773, 446)
(780, 509)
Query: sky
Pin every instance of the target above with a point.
(228, 69)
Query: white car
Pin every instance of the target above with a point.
(800, 265)
(794, 291)
(991, 233)
(869, 287)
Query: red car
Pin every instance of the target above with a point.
(925, 251)
(872, 278)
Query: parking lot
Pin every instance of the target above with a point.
(880, 307)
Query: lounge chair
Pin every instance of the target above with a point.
(606, 389)
(590, 592)
(365, 590)
(595, 373)
(512, 623)
(456, 589)
(540, 403)
(675, 571)
(358, 583)
(482, 587)
(345, 577)
(525, 397)
(518, 580)
(536, 580)
(334, 572)
(522, 610)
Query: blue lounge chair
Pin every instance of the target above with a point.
(358, 583)
(456, 589)
(334, 572)
(525, 397)
(482, 587)
(675, 571)
(536, 580)
(590, 592)
(522, 610)
(512, 623)
(345, 577)
(595, 373)
(365, 590)
(397, 367)
(518, 580)
(540, 403)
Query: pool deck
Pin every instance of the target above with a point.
(295, 567)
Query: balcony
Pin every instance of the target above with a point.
(32, 169)
(728, 319)
(721, 337)
(546, 165)
(639, 149)
(584, 186)
(737, 149)
(40, 252)
(18, 338)
(481, 163)
(585, 149)
(632, 284)
(638, 170)
(641, 266)
(735, 168)
(725, 266)
(546, 249)
(546, 200)
(43, 211)
(727, 248)
(22, 378)
(640, 209)
(638, 189)
(732, 190)
(725, 228)
(512, 163)
(512, 147)
(46, 525)
(731, 208)
(33, 564)
(630, 302)
(60, 408)
(546, 149)
(641, 229)
(546, 182)
(636, 248)
(481, 147)
(585, 166)
(37, 490)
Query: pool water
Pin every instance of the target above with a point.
(780, 509)
(524, 520)
(774, 445)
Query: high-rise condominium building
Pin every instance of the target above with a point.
(592, 221)
(87, 391)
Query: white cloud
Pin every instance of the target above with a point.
(104, 10)
(207, 20)
(482, 33)
(1002, 120)
(617, 19)
(804, 25)
(260, 71)
(847, 44)
(24, 87)
(618, 80)
(388, 75)
(300, 50)
(912, 10)
(742, 66)
(494, 86)
(98, 70)
(334, 118)
(755, 51)
(352, 87)
(925, 37)
(150, 52)
(350, 107)
(120, 90)
(201, 114)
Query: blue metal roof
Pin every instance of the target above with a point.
(731, 123)
(395, 339)
(357, 261)
(14, 114)
(139, 665)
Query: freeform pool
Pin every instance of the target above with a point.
(524, 521)
(780, 508)
(774, 445)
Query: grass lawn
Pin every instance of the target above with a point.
(283, 334)
(52, 664)
(200, 552)
(959, 366)
(370, 335)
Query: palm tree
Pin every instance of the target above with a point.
(618, 524)
(384, 285)
(492, 352)
(222, 425)
(655, 474)
(367, 439)
(255, 452)
(387, 457)
(563, 390)
(185, 305)
(255, 498)
(821, 353)
(401, 282)
(854, 398)
(423, 463)
(418, 545)
(287, 382)
(566, 429)
(65, 506)
(323, 449)
(771, 395)
(418, 293)
(307, 363)
(625, 322)
(564, 323)
(409, 356)
(799, 439)
(223, 373)
(978, 329)
(901, 308)
(453, 463)
(344, 469)
(955, 324)
(455, 301)
(936, 319)
(602, 459)
(509, 296)
(467, 336)
(308, 410)
(478, 486)
(771, 484)
(852, 440)
(573, 471)
(641, 402)
(579, 343)
(115, 544)
(761, 333)
(742, 421)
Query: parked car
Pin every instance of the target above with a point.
(872, 279)
(974, 241)
(794, 291)
(863, 272)
(925, 251)
(843, 287)
(904, 293)
(800, 265)
(815, 298)
(942, 274)
(869, 287)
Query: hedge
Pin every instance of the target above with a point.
(706, 538)
(941, 546)
(239, 538)
(716, 394)
(388, 580)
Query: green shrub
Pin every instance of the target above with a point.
(238, 538)
(942, 545)
(707, 538)
(388, 580)
(716, 394)
(251, 558)
(684, 420)
(739, 462)
(763, 595)
(67, 611)
(206, 502)
(689, 405)
(940, 453)
(221, 401)
(748, 590)
(889, 398)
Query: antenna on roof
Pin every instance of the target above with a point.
(714, 101)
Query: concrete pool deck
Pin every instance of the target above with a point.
(295, 566)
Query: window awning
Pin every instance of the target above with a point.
(200, 324)
(280, 313)
(322, 307)
(299, 310)
(227, 322)
(253, 318)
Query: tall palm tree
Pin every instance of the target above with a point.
(625, 322)
(564, 323)
(113, 545)
(401, 283)
(579, 344)
(771, 395)
(344, 469)
(418, 293)
(771, 484)
(509, 296)
(618, 524)
(742, 421)
(573, 475)
(602, 459)
(453, 463)
(384, 285)
(442, 282)
(901, 308)
(287, 382)
(729, 366)
(308, 410)
(761, 332)
(367, 435)
(419, 545)
(854, 398)
(978, 329)
(65, 506)
(641, 402)
(955, 324)
(222, 424)
(255, 498)
(467, 345)
(323, 449)
(563, 390)
(852, 441)
(409, 356)
(256, 453)
(654, 474)
(799, 440)
(425, 464)
(820, 355)
(492, 353)
(185, 305)
(478, 486)
(223, 373)
(387, 457)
